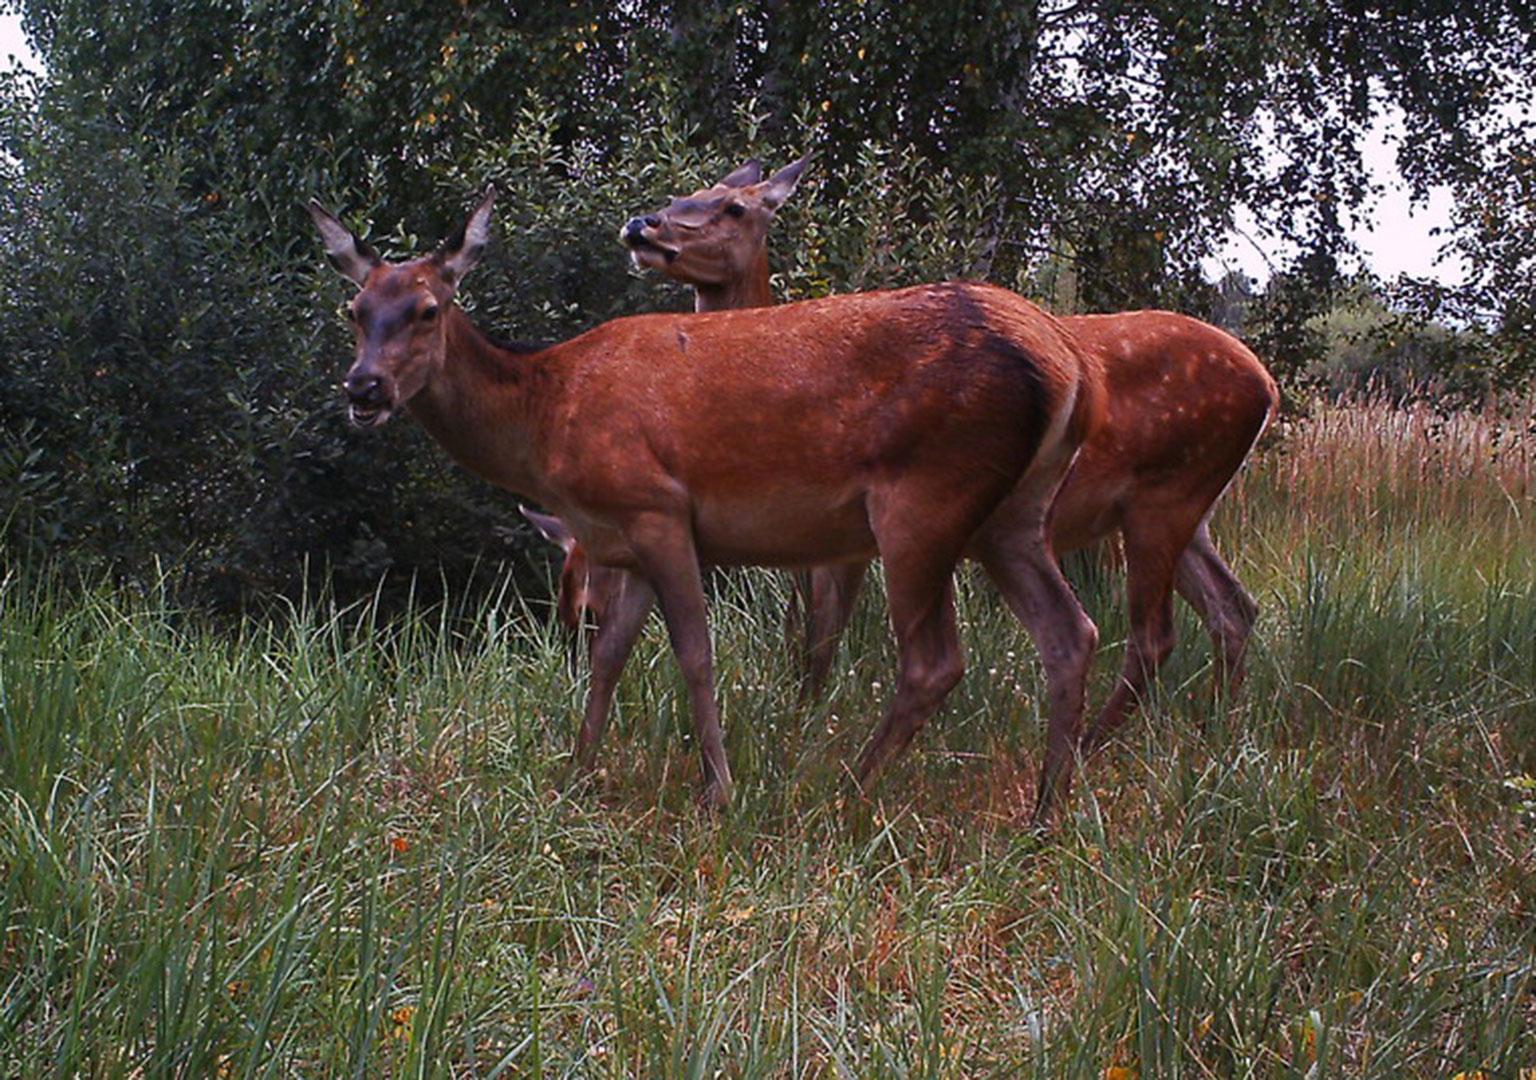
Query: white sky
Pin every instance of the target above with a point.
(1398, 236)
(1398, 239)
(13, 43)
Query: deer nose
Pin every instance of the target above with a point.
(635, 226)
(363, 388)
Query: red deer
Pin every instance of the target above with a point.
(1186, 403)
(809, 434)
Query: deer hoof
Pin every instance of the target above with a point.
(715, 797)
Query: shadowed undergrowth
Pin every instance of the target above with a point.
(332, 846)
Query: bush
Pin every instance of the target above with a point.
(170, 402)
(1366, 344)
(170, 398)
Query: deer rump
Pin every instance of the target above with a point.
(772, 428)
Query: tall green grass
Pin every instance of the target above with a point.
(328, 845)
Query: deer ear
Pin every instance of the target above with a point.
(781, 185)
(550, 528)
(349, 255)
(745, 175)
(463, 249)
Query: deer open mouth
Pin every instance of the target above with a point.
(646, 252)
(367, 416)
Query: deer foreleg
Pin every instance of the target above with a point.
(1150, 552)
(1033, 587)
(930, 660)
(664, 548)
(612, 642)
(920, 533)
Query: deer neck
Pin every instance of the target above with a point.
(748, 290)
(484, 407)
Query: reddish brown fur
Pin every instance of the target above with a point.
(1186, 403)
(899, 391)
(717, 238)
(816, 432)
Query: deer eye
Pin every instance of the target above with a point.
(429, 313)
(735, 209)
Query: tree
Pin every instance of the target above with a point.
(1126, 133)
(1367, 344)
(1090, 151)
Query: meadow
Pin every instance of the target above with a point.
(332, 843)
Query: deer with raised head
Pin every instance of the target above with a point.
(726, 263)
(1186, 402)
(814, 433)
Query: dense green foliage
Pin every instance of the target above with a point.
(336, 848)
(1125, 132)
(169, 333)
(1369, 346)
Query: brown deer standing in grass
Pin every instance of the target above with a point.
(1186, 403)
(906, 424)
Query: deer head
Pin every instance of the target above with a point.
(399, 314)
(712, 236)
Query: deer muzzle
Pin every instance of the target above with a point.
(369, 397)
(639, 235)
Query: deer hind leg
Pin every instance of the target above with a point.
(1153, 541)
(920, 536)
(1026, 573)
(1228, 611)
(833, 591)
(1014, 549)
(614, 639)
(929, 657)
(664, 548)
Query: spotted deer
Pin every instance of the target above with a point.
(810, 434)
(1186, 402)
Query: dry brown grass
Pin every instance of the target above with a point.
(1369, 462)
